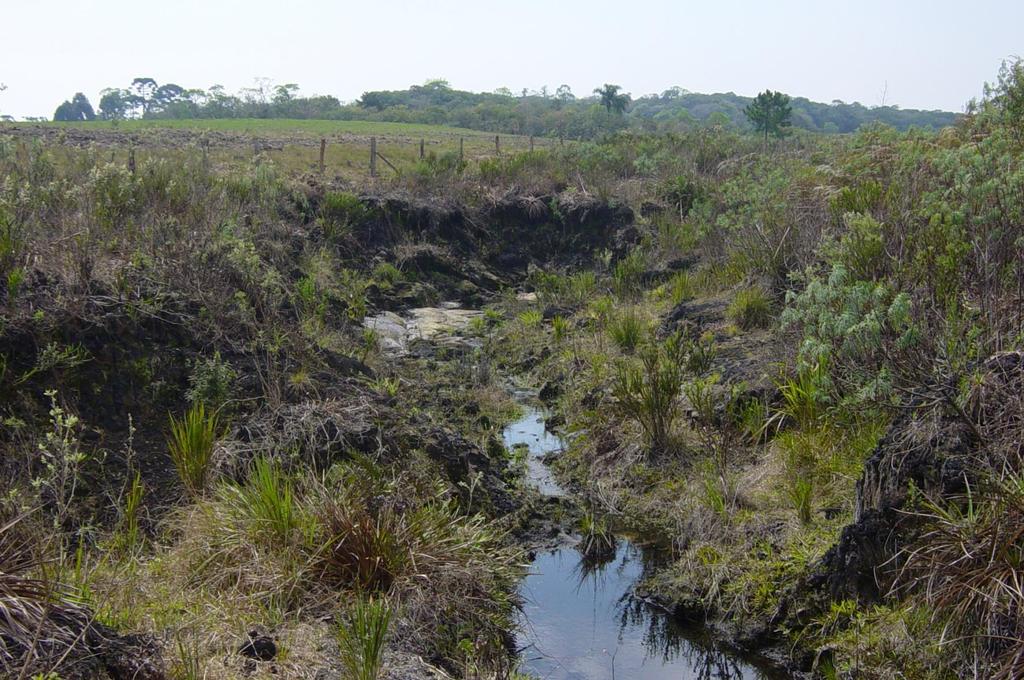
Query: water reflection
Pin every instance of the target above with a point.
(581, 620)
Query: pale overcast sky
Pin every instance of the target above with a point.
(917, 53)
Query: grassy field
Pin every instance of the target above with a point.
(293, 145)
(280, 126)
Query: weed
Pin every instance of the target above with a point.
(559, 328)
(191, 446)
(627, 278)
(649, 393)
(627, 331)
(211, 382)
(531, 318)
(267, 502)
(750, 309)
(361, 638)
(597, 538)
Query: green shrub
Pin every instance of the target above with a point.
(339, 212)
(191, 446)
(211, 382)
(750, 309)
(361, 638)
(352, 287)
(861, 249)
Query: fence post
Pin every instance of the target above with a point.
(373, 156)
(531, 143)
(131, 158)
(323, 148)
(422, 155)
(497, 145)
(461, 154)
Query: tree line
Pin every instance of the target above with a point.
(536, 112)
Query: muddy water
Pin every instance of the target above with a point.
(580, 619)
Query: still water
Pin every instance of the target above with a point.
(580, 619)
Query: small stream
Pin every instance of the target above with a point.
(581, 620)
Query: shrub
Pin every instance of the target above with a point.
(339, 212)
(211, 382)
(750, 309)
(361, 638)
(191, 446)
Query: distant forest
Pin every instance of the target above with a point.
(541, 112)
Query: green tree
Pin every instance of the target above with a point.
(115, 104)
(612, 99)
(78, 108)
(770, 114)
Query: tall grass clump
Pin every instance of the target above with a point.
(267, 500)
(361, 638)
(627, 331)
(648, 392)
(750, 309)
(627, 277)
(191, 446)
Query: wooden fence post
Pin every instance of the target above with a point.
(497, 145)
(131, 159)
(373, 156)
(323, 148)
(461, 153)
(531, 143)
(422, 154)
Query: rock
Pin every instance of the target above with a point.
(550, 391)
(551, 311)
(259, 647)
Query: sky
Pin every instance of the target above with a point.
(932, 54)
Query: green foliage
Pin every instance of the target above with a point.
(596, 535)
(750, 309)
(681, 287)
(854, 327)
(352, 289)
(211, 382)
(682, 192)
(361, 638)
(804, 397)
(559, 328)
(340, 212)
(648, 393)
(129, 531)
(191, 445)
(627, 278)
(627, 330)
(861, 249)
(572, 290)
(267, 504)
(531, 318)
(770, 113)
